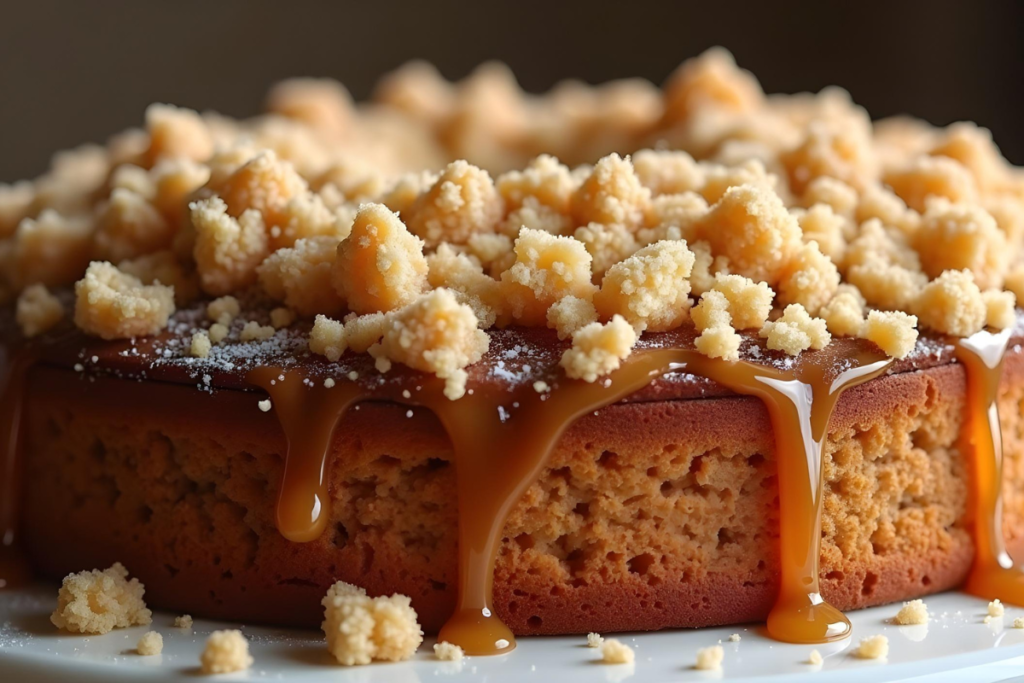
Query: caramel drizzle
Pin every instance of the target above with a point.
(14, 567)
(993, 574)
(502, 439)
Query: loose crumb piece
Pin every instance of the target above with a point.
(363, 331)
(223, 310)
(300, 276)
(253, 331)
(329, 383)
(815, 658)
(200, 346)
(873, 647)
(734, 638)
(895, 332)
(616, 652)
(151, 643)
(265, 405)
(650, 289)
(218, 332)
(795, 331)
(569, 314)
(710, 658)
(914, 612)
(540, 386)
(594, 640)
(952, 303)
(227, 249)
(327, 338)
(114, 305)
(447, 652)
(547, 268)
(611, 194)
(1018, 622)
(184, 621)
(999, 308)
(598, 349)
(436, 334)
(717, 337)
(361, 629)
(996, 609)
(38, 310)
(844, 313)
(225, 652)
(98, 601)
(749, 302)
(463, 201)
(380, 266)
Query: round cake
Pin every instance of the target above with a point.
(612, 358)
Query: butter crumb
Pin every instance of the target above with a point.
(114, 305)
(1018, 622)
(844, 313)
(462, 201)
(329, 383)
(547, 268)
(99, 601)
(218, 332)
(447, 652)
(227, 249)
(815, 658)
(380, 266)
(200, 346)
(598, 349)
(795, 331)
(327, 338)
(541, 387)
(184, 621)
(611, 194)
(873, 647)
(435, 334)
(151, 643)
(895, 332)
(734, 638)
(749, 302)
(594, 640)
(999, 309)
(253, 331)
(301, 276)
(996, 609)
(952, 303)
(717, 337)
(361, 629)
(616, 652)
(226, 651)
(710, 658)
(914, 612)
(650, 288)
(264, 405)
(38, 310)
(569, 314)
(223, 310)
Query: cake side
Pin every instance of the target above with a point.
(627, 529)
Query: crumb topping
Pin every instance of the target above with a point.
(912, 613)
(710, 658)
(792, 215)
(872, 647)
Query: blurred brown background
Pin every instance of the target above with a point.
(78, 71)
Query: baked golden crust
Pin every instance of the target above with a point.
(670, 525)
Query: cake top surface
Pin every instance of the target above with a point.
(551, 236)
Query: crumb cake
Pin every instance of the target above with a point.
(606, 359)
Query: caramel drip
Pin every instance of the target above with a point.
(993, 574)
(14, 567)
(502, 438)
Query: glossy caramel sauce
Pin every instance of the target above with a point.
(993, 574)
(501, 440)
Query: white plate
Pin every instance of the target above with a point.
(31, 650)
